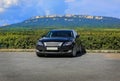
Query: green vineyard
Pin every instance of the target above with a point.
(92, 39)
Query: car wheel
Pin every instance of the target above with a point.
(39, 55)
(74, 52)
(80, 49)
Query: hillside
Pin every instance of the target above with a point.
(68, 21)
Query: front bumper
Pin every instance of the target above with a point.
(61, 50)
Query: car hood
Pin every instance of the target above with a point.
(55, 39)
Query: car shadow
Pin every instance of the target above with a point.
(79, 54)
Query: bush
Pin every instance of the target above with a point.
(92, 39)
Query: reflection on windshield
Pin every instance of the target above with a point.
(60, 34)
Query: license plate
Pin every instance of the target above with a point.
(52, 48)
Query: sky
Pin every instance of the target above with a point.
(13, 11)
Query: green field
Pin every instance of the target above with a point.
(92, 39)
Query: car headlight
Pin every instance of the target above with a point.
(40, 43)
(67, 43)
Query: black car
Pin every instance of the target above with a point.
(59, 42)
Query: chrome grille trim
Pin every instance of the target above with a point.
(53, 43)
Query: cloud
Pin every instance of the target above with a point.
(1, 9)
(24, 9)
(47, 12)
(5, 4)
(43, 7)
(39, 7)
(93, 7)
(69, 1)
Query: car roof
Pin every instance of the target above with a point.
(62, 30)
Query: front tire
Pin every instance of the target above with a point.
(74, 52)
(80, 49)
(39, 55)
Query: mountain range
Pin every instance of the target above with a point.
(68, 21)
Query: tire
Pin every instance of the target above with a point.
(39, 55)
(80, 50)
(74, 52)
(83, 51)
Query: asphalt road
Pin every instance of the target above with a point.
(26, 66)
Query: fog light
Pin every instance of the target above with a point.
(37, 50)
(69, 50)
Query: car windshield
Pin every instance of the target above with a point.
(60, 34)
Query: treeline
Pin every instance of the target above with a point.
(91, 38)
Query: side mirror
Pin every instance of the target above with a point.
(77, 36)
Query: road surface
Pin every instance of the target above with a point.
(26, 66)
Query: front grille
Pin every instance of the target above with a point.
(52, 43)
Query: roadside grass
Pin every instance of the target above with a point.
(103, 51)
(17, 50)
(33, 50)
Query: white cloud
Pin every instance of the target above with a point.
(47, 12)
(96, 7)
(1, 9)
(4, 4)
(69, 1)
